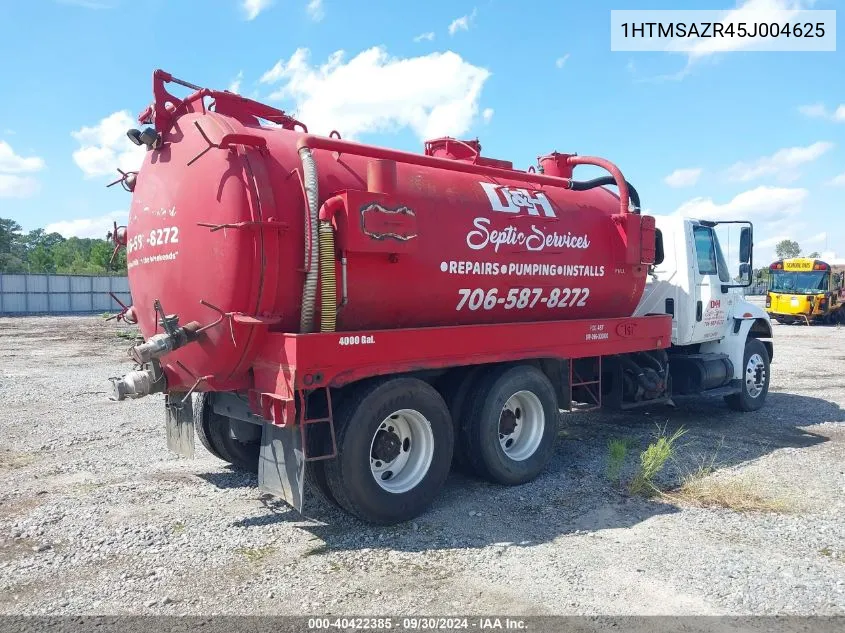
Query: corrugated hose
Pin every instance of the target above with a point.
(309, 290)
(328, 282)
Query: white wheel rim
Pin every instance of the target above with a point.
(401, 451)
(755, 375)
(521, 425)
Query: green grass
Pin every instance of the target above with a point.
(617, 453)
(652, 461)
(696, 485)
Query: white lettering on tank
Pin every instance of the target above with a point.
(515, 200)
(536, 240)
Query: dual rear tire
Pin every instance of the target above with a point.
(396, 440)
(508, 424)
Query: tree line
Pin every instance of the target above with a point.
(40, 252)
(790, 248)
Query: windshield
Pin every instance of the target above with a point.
(799, 282)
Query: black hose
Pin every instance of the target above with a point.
(584, 185)
(648, 359)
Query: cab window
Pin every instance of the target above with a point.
(705, 250)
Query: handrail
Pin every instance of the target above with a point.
(312, 141)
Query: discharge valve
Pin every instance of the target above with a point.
(173, 337)
(149, 378)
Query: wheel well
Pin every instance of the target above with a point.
(762, 329)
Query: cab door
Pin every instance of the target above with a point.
(711, 305)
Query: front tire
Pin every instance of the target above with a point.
(512, 426)
(394, 450)
(755, 378)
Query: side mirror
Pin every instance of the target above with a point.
(745, 245)
(658, 247)
(745, 272)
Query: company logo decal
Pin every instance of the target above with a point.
(516, 200)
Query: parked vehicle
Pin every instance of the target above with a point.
(806, 290)
(362, 318)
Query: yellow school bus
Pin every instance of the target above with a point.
(805, 290)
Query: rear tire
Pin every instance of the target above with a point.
(512, 427)
(215, 435)
(394, 445)
(456, 392)
(755, 378)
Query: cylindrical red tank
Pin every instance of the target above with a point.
(221, 221)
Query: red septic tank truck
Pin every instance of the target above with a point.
(357, 318)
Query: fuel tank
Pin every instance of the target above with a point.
(243, 222)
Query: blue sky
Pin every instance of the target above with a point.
(755, 135)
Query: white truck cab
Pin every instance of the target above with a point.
(721, 343)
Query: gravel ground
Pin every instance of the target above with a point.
(96, 517)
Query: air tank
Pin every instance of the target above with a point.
(239, 217)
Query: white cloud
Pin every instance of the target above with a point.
(253, 7)
(561, 61)
(770, 241)
(462, 23)
(749, 11)
(88, 227)
(12, 186)
(814, 110)
(746, 11)
(316, 10)
(235, 86)
(769, 203)
(775, 212)
(424, 37)
(683, 178)
(434, 95)
(105, 147)
(831, 258)
(820, 111)
(782, 163)
(11, 163)
(837, 181)
(814, 239)
(487, 115)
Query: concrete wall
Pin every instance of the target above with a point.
(61, 294)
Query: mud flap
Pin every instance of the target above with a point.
(179, 424)
(281, 464)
